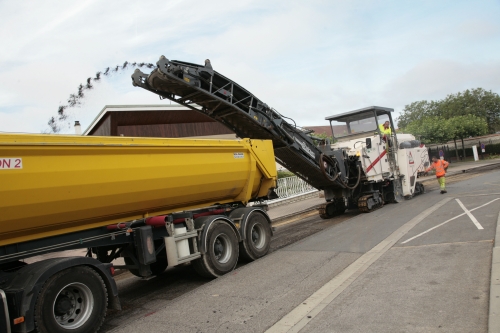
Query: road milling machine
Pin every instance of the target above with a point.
(362, 168)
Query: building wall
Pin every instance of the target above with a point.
(156, 122)
(173, 130)
(104, 128)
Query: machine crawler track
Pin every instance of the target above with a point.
(366, 206)
(333, 208)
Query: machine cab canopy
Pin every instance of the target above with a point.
(350, 125)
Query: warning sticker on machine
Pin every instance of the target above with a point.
(410, 159)
(239, 155)
(11, 163)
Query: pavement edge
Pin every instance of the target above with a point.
(494, 309)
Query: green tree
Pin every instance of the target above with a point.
(285, 173)
(466, 126)
(431, 130)
(324, 137)
(478, 102)
(417, 111)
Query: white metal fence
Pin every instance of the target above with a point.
(292, 186)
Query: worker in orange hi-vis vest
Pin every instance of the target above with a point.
(440, 167)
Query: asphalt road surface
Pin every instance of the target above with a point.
(404, 260)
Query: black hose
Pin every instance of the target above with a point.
(357, 182)
(282, 116)
(322, 158)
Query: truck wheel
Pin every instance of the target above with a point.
(73, 300)
(258, 238)
(221, 253)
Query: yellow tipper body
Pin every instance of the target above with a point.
(51, 184)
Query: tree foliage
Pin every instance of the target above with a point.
(440, 129)
(324, 137)
(476, 102)
(417, 112)
(466, 126)
(285, 173)
(431, 130)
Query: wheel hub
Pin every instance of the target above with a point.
(258, 238)
(222, 248)
(255, 236)
(63, 305)
(218, 248)
(73, 305)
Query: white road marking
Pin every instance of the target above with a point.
(472, 217)
(299, 317)
(453, 218)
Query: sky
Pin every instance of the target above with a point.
(307, 59)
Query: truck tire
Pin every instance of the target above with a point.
(258, 238)
(221, 254)
(73, 300)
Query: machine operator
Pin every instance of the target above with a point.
(385, 130)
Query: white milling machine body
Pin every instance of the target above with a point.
(397, 158)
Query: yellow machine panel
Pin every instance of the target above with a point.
(51, 184)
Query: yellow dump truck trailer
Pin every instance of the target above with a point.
(156, 202)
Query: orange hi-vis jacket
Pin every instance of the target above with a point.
(439, 165)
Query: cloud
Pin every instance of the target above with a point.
(27, 119)
(434, 79)
(307, 59)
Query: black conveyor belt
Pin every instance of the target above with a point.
(225, 101)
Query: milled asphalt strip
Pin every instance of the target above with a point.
(312, 306)
(494, 312)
